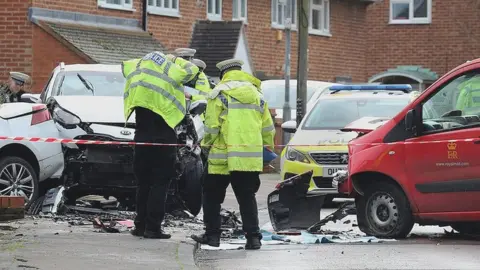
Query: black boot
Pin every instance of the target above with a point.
(253, 241)
(211, 240)
(156, 235)
(138, 231)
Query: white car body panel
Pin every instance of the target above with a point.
(49, 155)
(95, 109)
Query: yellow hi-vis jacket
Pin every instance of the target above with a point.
(469, 96)
(203, 86)
(156, 83)
(237, 125)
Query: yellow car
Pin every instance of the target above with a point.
(320, 146)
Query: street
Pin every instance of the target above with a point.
(42, 243)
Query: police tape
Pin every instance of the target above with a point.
(98, 142)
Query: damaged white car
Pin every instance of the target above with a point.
(24, 165)
(86, 102)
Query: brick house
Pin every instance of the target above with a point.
(36, 35)
(416, 41)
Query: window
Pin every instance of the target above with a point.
(320, 17)
(456, 104)
(280, 12)
(239, 10)
(333, 114)
(214, 10)
(164, 7)
(103, 83)
(116, 4)
(410, 11)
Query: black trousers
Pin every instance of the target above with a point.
(154, 168)
(245, 185)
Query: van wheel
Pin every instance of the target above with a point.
(467, 227)
(384, 212)
(18, 178)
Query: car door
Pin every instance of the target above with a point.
(442, 164)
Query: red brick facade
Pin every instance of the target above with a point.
(15, 37)
(451, 38)
(26, 47)
(360, 45)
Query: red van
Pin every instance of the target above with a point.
(419, 168)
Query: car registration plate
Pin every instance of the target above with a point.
(329, 171)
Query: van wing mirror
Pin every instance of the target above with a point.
(290, 126)
(409, 120)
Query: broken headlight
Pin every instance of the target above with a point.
(65, 118)
(294, 155)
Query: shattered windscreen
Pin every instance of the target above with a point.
(88, 83)
(333, 114)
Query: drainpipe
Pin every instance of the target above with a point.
(144, 15)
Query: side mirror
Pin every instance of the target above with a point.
(409, 120)
(198, 107)
(290, 126)
(29, 98)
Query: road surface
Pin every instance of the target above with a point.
(427, 248)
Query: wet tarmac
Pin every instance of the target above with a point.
(46, 244)
(426, 248)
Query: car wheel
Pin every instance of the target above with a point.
(18, 178)
(467, 227)
(192, 190)
(384, 212)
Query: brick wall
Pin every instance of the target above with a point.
(47, 54)
(452, 38)
(15, 37)
(341, 54)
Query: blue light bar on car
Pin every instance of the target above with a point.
(406, 88)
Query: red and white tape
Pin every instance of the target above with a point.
(74, 141)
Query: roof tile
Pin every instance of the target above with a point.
(215, 41)
(107, 46)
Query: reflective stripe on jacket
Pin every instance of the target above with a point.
(237, 125)
(469, 96)
(156, 83)
(203, 86)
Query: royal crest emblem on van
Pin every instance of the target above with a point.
(125, 132)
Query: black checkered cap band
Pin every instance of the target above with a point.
(227, 66)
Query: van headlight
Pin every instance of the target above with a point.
(294, 155)
(65, 118)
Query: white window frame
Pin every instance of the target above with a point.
(239, 9)
(156, 10)
(123, 6)
(273, 10)
(324, 9)
(411, 19)
(213, 16)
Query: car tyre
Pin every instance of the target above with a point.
(384, 212)
(192, 191)
(16, 169)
